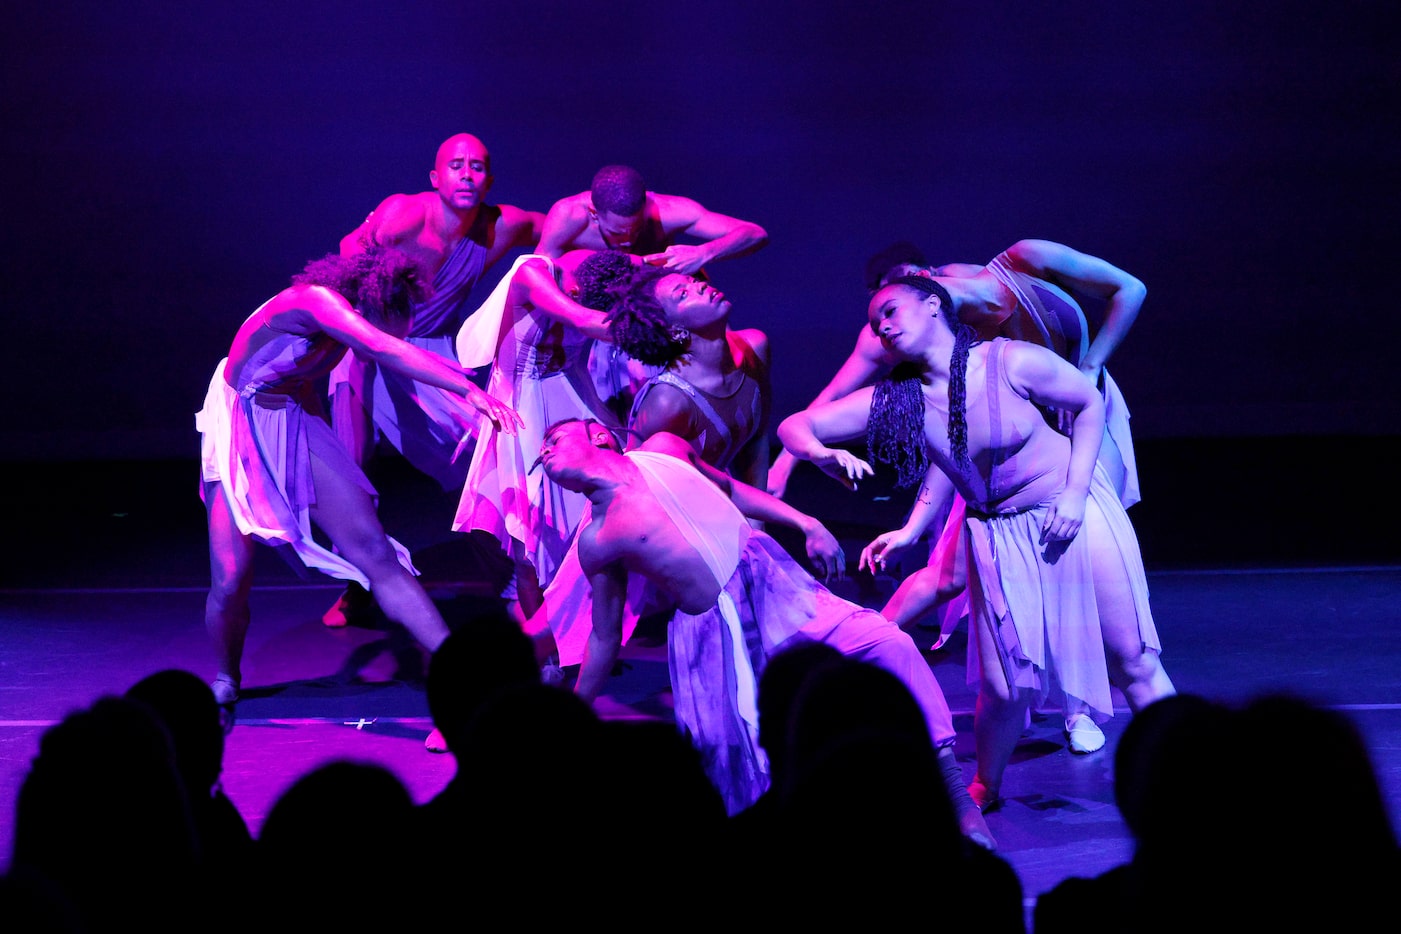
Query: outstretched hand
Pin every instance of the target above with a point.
(884, 549)
(845, 467)
(497, 412)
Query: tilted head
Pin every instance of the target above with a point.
(568, 449)
(617, 198)
(462, 172)
(638, 321)
(382, 283)
(904, 314)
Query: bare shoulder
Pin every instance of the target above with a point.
(675, 210)
(570, 208)
(666, 442)
(300, 307)
(751, 348)
(662, 407)
(399, 217)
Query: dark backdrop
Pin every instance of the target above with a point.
(169, 167)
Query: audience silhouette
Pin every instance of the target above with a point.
(339, 813)
(103, 828)
(1234, 826)
(1260, 815)
(186, 705)
(862, 788)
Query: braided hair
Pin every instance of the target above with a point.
(637, 321)
(897, 403)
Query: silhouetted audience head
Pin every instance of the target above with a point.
(185, 704)
(103, 818)
(779, 684)
(483, 654)
(337, 850)
(1264, 815)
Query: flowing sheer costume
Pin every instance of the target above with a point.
(1045, 315)
(259, 430)
(539, 367)
(765, 600)
(720, 428)
(422, 422)
(1039, 599)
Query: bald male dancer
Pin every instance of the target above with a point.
(453, 233)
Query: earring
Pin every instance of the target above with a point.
(680, 334)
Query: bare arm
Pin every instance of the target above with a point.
(934, 494)
(1123, 293)
(566, 219)
(538, 287)
(867, 361)
(398, 218)
(750, 348)
(325, 310)
(605, 640)
(807, 434)
(515, 228)
(722, 236)
(1048, 380)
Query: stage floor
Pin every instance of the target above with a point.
(111, 588)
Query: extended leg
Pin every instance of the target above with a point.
(226, 606)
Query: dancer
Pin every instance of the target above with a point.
(1058, 593)
(1023, 293)
(271, 464)
(619, 213)
(534, 331)
(456, 236)
(659, 512)
(711, 389)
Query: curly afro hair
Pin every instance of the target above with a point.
(598, 273)
(382, 283)
(637, 322)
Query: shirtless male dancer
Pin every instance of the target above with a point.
(659, 512)
(452, 232)
(619, 213)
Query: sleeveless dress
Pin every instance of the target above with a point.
(539, 367)
(423, 422)
(1039, 600)
(1045, 314)
(258, 431)
(712, 415)
(766, 599)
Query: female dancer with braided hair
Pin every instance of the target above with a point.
(1058, 594)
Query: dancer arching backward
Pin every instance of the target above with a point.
(1058, 594)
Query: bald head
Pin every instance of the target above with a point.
(462, 172)
(461, 143)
